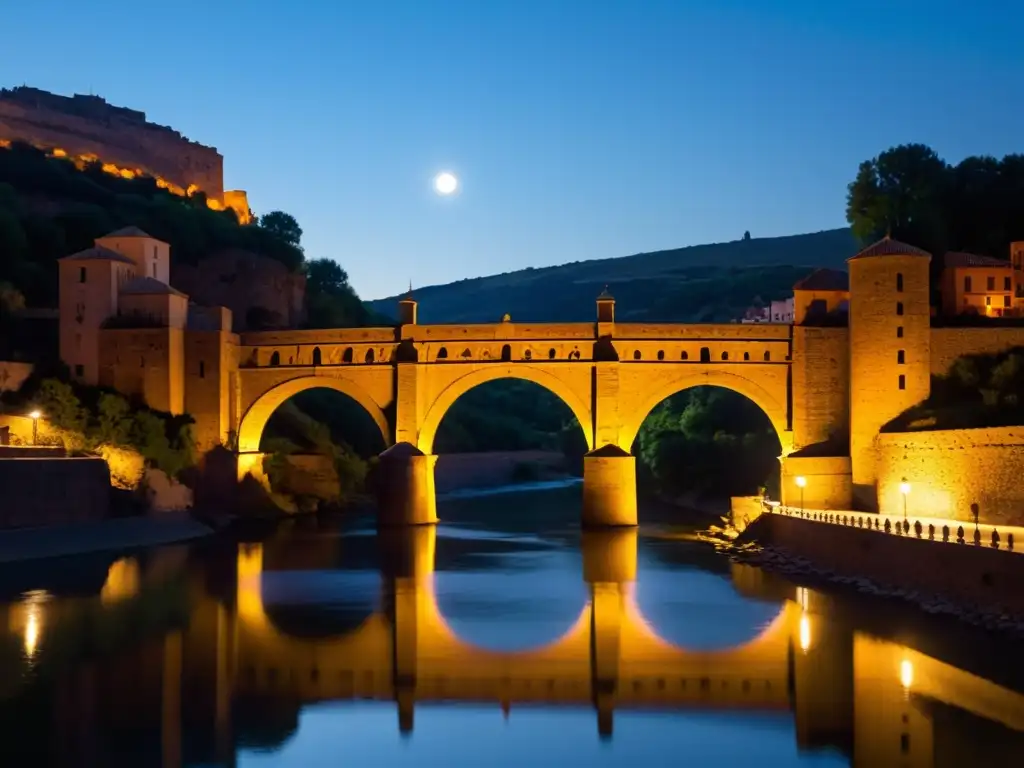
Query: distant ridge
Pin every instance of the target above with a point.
(707, 283)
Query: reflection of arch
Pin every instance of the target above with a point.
(773, 409)
(255, 419)
(460, 386)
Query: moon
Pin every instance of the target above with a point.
(445, 183)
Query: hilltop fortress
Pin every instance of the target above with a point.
(87, 129)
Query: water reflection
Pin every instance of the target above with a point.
(313, 644)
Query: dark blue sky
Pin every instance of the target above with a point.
(579, 128)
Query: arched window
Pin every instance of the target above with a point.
(705, 355)
(369, 356)
(275, 358)
(636, 354)
(661, 354)
(346, 356)
(316, 356)
(684, 356)
(442, 353)
(767, 357)
(551, 354)
(899, 307)
(746, 355)
(899, 282)
(506, 352)
(725, 355)
(528, 355)
(466, 354)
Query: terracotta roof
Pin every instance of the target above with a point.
(98, 253)
(824, 280)
(130, 231)
(889, 247)
(958, 259)
(149, 285)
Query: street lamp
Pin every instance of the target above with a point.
(801, 483)
(35, 415)
(905, 490)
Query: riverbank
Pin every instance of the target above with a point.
(979, 585)
(98, 536)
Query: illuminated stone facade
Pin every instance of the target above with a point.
(88, 129)
(823, 387)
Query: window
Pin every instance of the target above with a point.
(746, 356)
(154, 252)
(899, 331)
(988, 301)
(967, 284)
(991, 283)
(725, 355)
(442, 353)
(551, 354)
(705, 355)
(767, 357)
(154, 269)
(316, 356)
(684, 355)
(79, 369)
(899, 282)
(275, 358)
(661, 354)
(81, 274)
(901, 357)
(899, 307)
(369, 356)
(202, 369)
(506, 352)
(636, 354)
(346, 356)
(1006, 301)
(903, 381)
(1007, 284)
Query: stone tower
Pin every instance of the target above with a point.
(890, 349)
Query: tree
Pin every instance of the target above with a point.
(283, 226)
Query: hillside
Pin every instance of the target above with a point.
(710, 283)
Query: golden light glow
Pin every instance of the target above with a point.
(805, 633)
(906, 673)
(801, 481)
(122, 581)
(35, 415)
(904, 487)
(445, 183)
(32, 604)
(802, 597)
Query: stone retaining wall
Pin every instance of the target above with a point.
(53, 491)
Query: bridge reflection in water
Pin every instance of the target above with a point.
(240, 675)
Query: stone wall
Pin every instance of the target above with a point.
(950, 343)
(948, 470)
(821, 383)
(52, 491)
(88, 126)
(147, 362)
(827, 482)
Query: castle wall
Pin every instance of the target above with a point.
(821, 383)
(210, 371)
(950, 343)
(145, 362)
(827, 482)
(948, 470)
(52, 491)
(89, 126)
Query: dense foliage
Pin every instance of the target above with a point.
(976, 205)
(977, 391)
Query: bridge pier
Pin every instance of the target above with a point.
(609, 488)
(405, 487)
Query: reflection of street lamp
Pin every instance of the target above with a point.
(905, 490)
(801, 483)
(35, 425)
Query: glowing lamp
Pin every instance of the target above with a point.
(801, 482)
(805, 633)
(35, 426)
(904, 487)
(906, 673)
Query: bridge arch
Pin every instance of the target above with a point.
(773, 405)
(462, 385)
(250, 430)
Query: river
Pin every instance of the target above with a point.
(502, 637)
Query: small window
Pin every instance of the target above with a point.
(967, 284)
(275, 359)
(369, 356)
(725, 355)
(903, 381)
(79, 370)
(154, 269)
(899, 331)
(636, 354)
(317, 358)
(684, 356)
(705, 355)
(746, 355)
(990, 283)
(202, 369)
(767, 357)
(528, 354)
(988, 301)
(899, 307)
(901, 357)
(551, 354)
(81, 274)
(506, 352)
(661, 354)
(899, 282)
(154, 251)
(346, 356)
(1006, 301)
(442, 353)
(1007, 284)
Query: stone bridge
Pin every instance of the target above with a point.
(610, 375)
